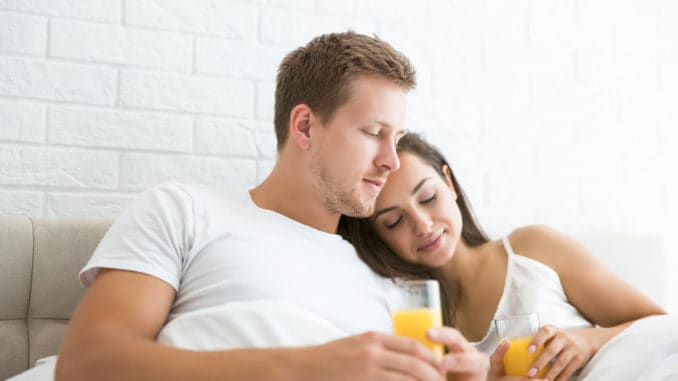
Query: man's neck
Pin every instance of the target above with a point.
(290, 194)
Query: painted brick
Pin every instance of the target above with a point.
(224, 137)
(343, 8)
(551, 22)
(506, 21)
(141, 171)
(556, 191)
(473, 185)
(512, 188)
(58, 167)
(276, 26)
(264, 168)
(93, 10)
(57, 81)
(25, 203)
(23, 122)
(23, 34)
(85, 205)
(266, 143)
(500, 222)
(509, 122)
(120, 129)
(467, 16)
(215, 17)
(265, 100)
(309, 5)
(439, 115)
(238, 59)
(399, 11)
(187, 93)
(121, 45)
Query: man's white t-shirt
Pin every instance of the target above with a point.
(222, 253)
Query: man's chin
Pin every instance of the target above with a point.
(362, 211)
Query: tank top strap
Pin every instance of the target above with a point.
(507, 247)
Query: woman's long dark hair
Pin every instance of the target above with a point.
(379, 257)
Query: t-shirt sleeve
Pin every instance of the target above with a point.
(151, 236)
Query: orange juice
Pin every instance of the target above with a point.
(415, 322)
(517, 360)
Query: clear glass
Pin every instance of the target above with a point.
(415, 309)
(517, 326)
(518, 330)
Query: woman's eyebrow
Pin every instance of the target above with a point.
(390, 208)
(382, 211)
(416, 188)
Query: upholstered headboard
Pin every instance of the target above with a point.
(39, 287)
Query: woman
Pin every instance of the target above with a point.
(424, 227)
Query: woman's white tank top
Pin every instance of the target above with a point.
(531, 286)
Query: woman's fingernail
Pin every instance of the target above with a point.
(531, 349)
(433, 333)
(450, 362)
(532, 372)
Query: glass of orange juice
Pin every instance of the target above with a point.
(518, 331)
(415, 309)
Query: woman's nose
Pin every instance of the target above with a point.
(423, 224)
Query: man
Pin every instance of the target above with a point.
(191, 283)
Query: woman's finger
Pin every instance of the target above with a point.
(543, 335)
(551, 351)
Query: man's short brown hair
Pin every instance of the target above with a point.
(320, 73)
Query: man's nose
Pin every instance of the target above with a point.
(388, 157)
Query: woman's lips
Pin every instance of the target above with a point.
(433, 244)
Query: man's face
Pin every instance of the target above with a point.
(354, 152)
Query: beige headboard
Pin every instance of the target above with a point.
(39, 287)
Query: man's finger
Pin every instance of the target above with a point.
(412, 347)
(496, 360)
(466, 362)
(451, 338)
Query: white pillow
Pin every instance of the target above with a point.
(42, 371)
(646, 350)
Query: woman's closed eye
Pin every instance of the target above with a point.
(429, 200)
(397, 220)
(392, 225)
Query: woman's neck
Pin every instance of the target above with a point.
(460, 273)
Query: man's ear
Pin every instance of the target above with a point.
(300, 125)
(448, 177)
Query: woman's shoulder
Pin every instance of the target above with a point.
(546, 245)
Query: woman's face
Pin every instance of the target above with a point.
(416, 214)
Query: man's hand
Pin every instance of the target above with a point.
(375, 357)
(463, 362)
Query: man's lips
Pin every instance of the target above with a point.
(433, 243)
(375, 184)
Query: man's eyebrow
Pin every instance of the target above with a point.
(391, 208)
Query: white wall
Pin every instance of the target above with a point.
(556, 112)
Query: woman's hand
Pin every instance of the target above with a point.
(497, 366)
(463, 362)
(564, 351)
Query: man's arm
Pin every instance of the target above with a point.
(112, 336)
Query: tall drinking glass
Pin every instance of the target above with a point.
(518, 330)
(415, 309)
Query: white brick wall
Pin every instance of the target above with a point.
(557, 112)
